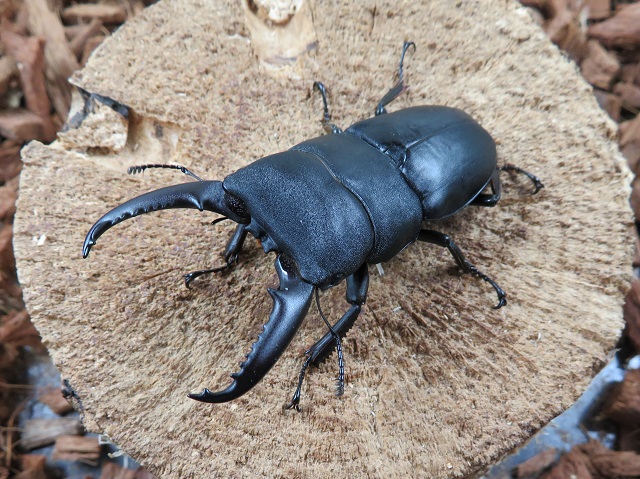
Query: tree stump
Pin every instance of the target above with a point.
(438, 383)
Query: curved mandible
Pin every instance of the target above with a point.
(290, 306)
(201, 195)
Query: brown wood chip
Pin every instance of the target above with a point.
(632, 311)
(599, 66)
(32, 466)
(623, 404)
(10, 162)
(575, 464)
(21, 125)
(17, 329)
(87, 32)
(40, 432)
(8, 71)
(29, 52)
(598, 9)
(76, 448)
(8, 195)
(537, 464)
(623, 29)
(629, 94)
(60, 60)
(86, 12)
(56, 402)
(610, 103)
(630, 142)
(612, 464)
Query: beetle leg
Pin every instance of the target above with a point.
(537, 183)
(393, 93)
(485, 199)
(290, 305)
(230, 255)
(357, 286)
(326, 117)
(441, 239)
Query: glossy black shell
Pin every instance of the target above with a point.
(334, 202)
(445, 155)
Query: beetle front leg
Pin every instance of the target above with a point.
(441, 239)
(230, 255)
(290, 306)
(357, 286)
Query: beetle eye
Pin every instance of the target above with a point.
(288, 264)
(236, 205)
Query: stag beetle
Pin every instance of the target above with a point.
(330, 206)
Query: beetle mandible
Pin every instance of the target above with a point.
(330, 206)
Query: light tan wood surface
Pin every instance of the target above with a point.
(438, 383)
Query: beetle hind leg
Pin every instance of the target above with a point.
(393, 93)
(491, 199)
(537, 182)
(230, 255)
(357, 286)
(441, 239)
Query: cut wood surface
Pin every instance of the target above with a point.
(438, 383)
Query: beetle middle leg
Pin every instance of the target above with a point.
(230, 255)
(491, 199)
(441, 239)
(357, 286)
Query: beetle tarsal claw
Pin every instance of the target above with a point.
(502, 296)
(290, 306)
(537, 182)
(502, 302)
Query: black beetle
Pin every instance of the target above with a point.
(332, 205)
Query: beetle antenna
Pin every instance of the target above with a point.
(219, 220)
(340, 378)
(132, 170)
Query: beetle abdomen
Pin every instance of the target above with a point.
(445, 155)
(297, 207)
(393, 207)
